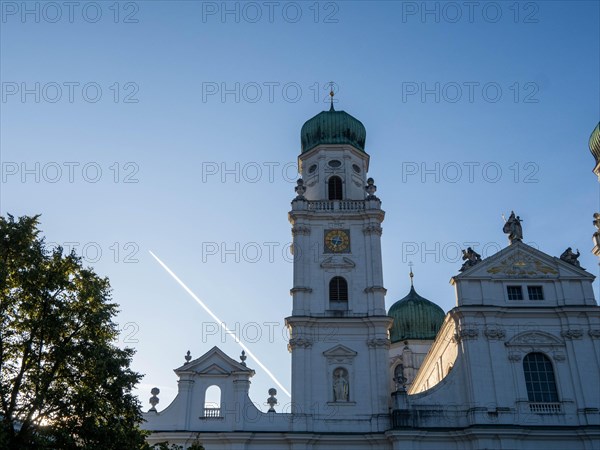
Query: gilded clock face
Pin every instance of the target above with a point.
(337, 241)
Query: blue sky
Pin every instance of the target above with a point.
(170, 127)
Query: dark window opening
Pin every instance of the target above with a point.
(535, 293)
(514, 292)
(335, 188)
(539, 378)
(338, 290)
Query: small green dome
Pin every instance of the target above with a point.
(595, 143)
(333, 127)
(415, 317)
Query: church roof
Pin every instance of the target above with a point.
(522, 261)
(333, 127)
(415, 317)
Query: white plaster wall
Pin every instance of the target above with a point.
(316, 182)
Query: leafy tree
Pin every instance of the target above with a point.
(196, 445)
(64, 384)
(165, 446)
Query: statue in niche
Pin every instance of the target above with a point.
(399, 378)
(570, 257)
(341, 387)
(513, 228)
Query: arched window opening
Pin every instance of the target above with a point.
(539, 378)
(212, 402)
(335, 188)
(338, 291)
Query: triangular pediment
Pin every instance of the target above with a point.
(213, 362)
(339, 350)
(521, 261)
(340, 354)
(215, 369)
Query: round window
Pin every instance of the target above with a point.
(356, 168)
(335, 163)
(312, 168)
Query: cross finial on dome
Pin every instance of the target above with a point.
(410, 264)
(331, 94)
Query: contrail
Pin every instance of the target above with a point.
(221, 323)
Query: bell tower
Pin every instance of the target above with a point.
(338, 327)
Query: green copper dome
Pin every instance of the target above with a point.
(333, 127)
(595, 143)
(415, 317)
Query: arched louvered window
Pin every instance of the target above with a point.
(335, 188)
(338, 290)
(539, 378)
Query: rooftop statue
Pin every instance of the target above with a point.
(513, 228)
(570, 257)
(470, 258)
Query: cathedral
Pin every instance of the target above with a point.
(514, 365)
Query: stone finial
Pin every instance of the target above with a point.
(513, 228)
(371, 189)
(331, 94)
(188, 357)
(154, 399)
(300, 189)
(272, 401)
(243, 358)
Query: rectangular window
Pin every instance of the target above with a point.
(535, 293)
(514, 292)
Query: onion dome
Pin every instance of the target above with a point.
(595, 143)
(415, 317)
(333, 127)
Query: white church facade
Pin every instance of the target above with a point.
(515, 365)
